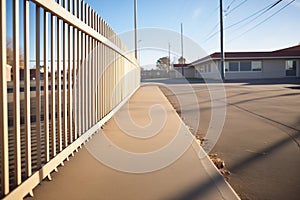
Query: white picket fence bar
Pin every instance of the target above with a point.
(91, 75)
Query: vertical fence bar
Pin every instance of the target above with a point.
(27, 91)
(92, 57)
(97, 72)
(16, 88)
(46, 88)
(59, 109)
(90, 77)
(100, 71)
(78, 82)
(108, 73)
(101, 80)
(76, 73)
(82, 73)
(70, 84)
(93, 72)
(87, 78)
(78, 58)
(53, 90)
(103, 72)
(82, 117)
(96, 69)
(65, 105)
(74, 78)
(4, 170)
(38, 88)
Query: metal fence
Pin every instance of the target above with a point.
(43, 121)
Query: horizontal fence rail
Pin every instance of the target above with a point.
(83, 73)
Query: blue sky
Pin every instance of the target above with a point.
(200, 20)
(201, 17)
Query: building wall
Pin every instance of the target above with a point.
(273, 69)
(270, 69)
(208, 70)
(188, 72)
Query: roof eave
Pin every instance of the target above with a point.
(247, 58)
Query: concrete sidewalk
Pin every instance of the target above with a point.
(191, 176)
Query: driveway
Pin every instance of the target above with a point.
(260, 138)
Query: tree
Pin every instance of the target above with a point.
(9, 54)
(163, 63)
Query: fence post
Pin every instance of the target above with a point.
(4, 170)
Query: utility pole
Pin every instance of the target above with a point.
(182, 70)
(222, 42)
(135, 30)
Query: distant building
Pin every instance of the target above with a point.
(248, 65)
(187, 70)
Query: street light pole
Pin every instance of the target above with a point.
(135, 30)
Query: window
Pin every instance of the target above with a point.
(256, 65)
(226, 66)
(290, 67)
(245, 66)
(208, 68)
(233, 66)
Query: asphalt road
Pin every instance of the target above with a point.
(261, 135)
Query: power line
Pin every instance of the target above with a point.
(211, 36)
(212, 12)
(228, 7)
(230, 11)
(260, 13)
(213, 30)
(215, 26)
(252, 28)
